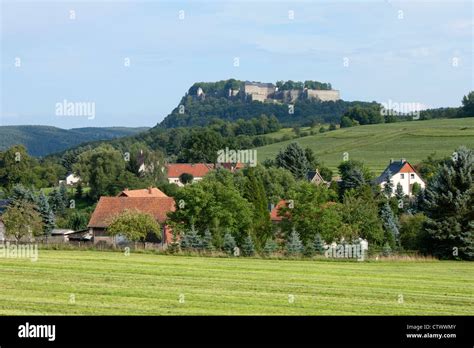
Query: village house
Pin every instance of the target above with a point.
(197, 170)
(154, 204)
(315, 177)
(71, 179)
(400, 172)
(148, 192)
(275, 216)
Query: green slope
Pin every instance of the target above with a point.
(43, 140)
(110, 283)
(376, 144)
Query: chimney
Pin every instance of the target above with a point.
(126, 189)
(391, 160)
(403, 160)
(149, 190)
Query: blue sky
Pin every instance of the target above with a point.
(398, 51)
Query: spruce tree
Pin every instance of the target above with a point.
(57, 202)
(63, 193)
(229, 244)
(309, 250)
(46, 214)
(293, 158)
(191, 240)
(448, 204)
(270, 247)
(388, 188)
(386, 250)
(207, 241)
(318, 244)
(399, 192)
(390, 224)
(248, 248)
(294, 246)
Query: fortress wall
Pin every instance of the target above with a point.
(323, 95)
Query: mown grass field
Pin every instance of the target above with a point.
(107, 283)
(376, 144)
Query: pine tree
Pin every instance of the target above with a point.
(388, 187)
(248, 248)
(448, 205)
(318, 244)
(270, 247)
(229, 244)
(207, 241)
(294, 246)
(46, 214)
(390, 225)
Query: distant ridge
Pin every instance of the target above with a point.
(44, 140)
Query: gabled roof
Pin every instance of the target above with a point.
(148, 192)
(198, 170)
(395, 167)
(313, 176)
(274, 212)
(108, 207)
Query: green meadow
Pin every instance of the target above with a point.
(112, 283)
(376, 144)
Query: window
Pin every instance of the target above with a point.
(412, 176)
(402, 176)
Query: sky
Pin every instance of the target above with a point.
(132, 61)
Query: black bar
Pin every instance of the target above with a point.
(332, 330)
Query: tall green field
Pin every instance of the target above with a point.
(107, 283)
(376, 144)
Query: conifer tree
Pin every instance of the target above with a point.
(318, 244)
(399, 192)
(207, 241)
(270, 247)
(294, 246)
(388, 187)
(390, 225)
(448, 204)
(229, 244)
(248, 248)
(46, 213)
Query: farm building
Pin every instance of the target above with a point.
(197, 170)
(109, 207)
(400, 172)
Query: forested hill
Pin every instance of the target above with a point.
(44, 140)
(227, 100)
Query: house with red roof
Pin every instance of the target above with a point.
(400, 172)
(275, 215)
(197, 170)
(109, 207)
(148, 192)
